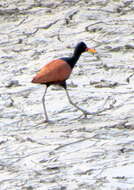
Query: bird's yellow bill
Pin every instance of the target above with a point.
(91, 50)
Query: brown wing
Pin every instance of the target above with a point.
(55, 71)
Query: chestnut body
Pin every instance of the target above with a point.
(55, 71)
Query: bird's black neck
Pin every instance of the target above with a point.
(73, 59)
(76, 55)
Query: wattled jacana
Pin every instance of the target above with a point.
(58, 71)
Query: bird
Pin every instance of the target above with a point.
(57, 71)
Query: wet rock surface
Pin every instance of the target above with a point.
(70, 152)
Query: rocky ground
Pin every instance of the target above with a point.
(71, 152)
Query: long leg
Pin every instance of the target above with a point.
(44, 106)
(63, 84)
(71, 102)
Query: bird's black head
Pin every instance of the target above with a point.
(81, 47)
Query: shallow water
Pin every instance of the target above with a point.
(70, 152)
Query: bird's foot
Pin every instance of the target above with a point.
(46, 121)
(85, 113)
(49, 121)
